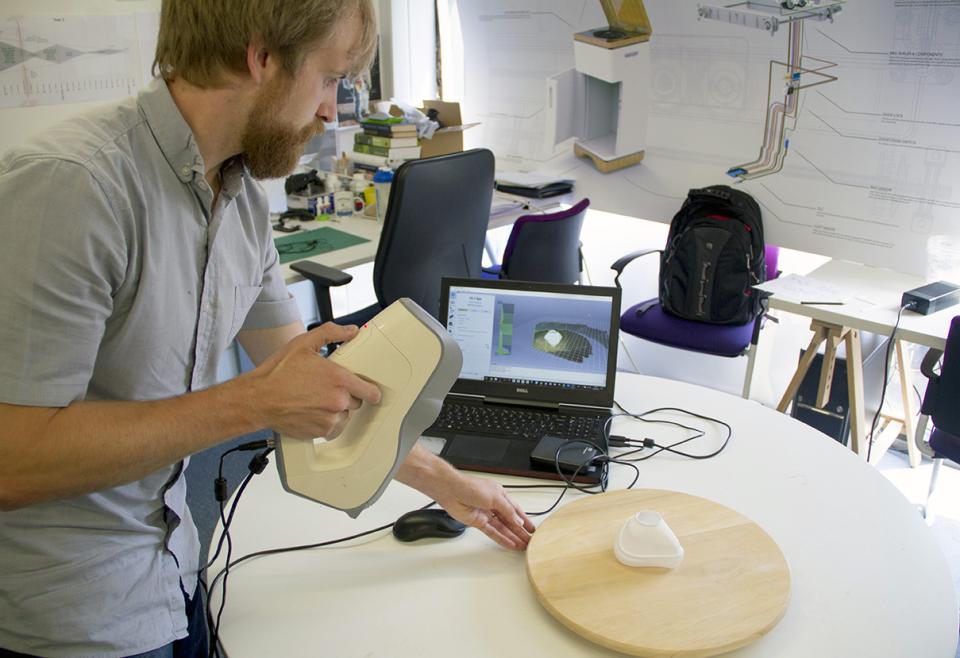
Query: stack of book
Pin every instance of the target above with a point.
(384, 143)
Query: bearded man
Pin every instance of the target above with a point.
(136, 246)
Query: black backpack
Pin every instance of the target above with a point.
(714, 254)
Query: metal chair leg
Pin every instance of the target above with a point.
(751, 364)
(928, 513)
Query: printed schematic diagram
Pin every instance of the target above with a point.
(785, 79)
(62, 59)
(12, 55)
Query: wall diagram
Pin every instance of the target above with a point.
(873, 171)
(785, 79)
(52, 59)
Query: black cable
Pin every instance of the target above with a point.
(220, 489)
(226, 531)
(256, 466)
(657, 448)
(303, 547)
(626, 462)
(221, 493)
(225, 571)
(571, 482)
(602, 457)
(886, 370)
(615, 441)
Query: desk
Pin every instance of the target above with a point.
(369, 228)
(868, 576)
(340, 259)
(874, 307)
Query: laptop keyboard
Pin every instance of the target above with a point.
(519, 423)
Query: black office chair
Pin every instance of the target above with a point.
(435, 226)
(940, 405)
(544, 247)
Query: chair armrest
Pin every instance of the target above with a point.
(321, 275)
(929, 403)
(930, 360)
(621, 263)
(323, 278)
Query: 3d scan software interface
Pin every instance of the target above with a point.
(521, 337)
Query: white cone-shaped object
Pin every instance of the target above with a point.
(645, 540)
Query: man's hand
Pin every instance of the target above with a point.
(477, 502)
(484, 504)
(301, 394)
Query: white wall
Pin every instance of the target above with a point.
(408, 50)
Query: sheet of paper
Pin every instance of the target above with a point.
(798, 288)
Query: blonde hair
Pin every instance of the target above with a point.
(202, 41)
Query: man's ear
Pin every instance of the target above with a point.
(258, 61)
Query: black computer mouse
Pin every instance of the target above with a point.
(423, 523)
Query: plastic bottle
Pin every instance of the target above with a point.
(358, 183)
(382, 180)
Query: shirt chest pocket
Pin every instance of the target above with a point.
(243, 300)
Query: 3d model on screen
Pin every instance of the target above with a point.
(785, 79)
(567, 341)
(505, 333)
(531, 338)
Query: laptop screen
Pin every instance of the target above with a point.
(534, 341)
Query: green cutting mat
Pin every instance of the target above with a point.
(311, 243)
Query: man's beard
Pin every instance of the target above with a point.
(271, 148)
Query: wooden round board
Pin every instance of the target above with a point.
(731, 588)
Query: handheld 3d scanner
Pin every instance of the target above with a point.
(414, 361)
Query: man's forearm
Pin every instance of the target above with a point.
(478, 502)
(259, 344)
(88, 446)
(426, 472)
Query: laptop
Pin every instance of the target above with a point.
(539, 364)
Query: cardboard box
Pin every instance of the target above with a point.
(448, 139)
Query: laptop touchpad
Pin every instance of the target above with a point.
(480, 448)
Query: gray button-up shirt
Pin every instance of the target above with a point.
(119, 280)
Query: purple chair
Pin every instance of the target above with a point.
(648, 320)
(940, 405)
(544, 247)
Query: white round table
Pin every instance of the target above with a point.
(868, 579)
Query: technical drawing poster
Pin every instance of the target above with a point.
(872, 168)
(68, 58)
